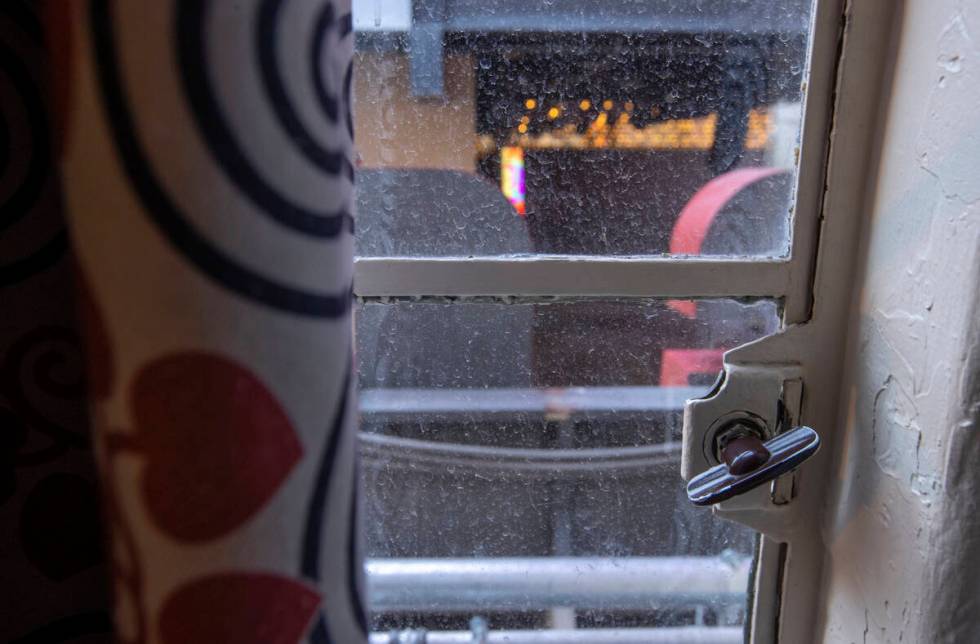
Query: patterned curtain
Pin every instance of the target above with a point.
(205, 151)
(53, 578)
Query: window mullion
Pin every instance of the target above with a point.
(570, 276)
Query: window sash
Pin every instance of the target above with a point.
(789, 279)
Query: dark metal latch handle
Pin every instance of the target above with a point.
(749, 463)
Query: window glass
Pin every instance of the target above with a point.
(610, 128)
(520, 465)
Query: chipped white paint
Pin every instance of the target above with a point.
(904, 559)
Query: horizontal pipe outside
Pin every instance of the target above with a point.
(541, 583)
(669, 635)
(510, 401)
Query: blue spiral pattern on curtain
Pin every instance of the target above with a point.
(175, 225)
(325, 24)
(214, 128)
(316, 511)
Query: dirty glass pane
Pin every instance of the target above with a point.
(618, 127)
(520, 467)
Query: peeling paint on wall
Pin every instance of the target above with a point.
(904, 546)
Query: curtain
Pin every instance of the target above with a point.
(54, 583)
(206, 151)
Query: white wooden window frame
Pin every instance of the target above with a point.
(846, 67)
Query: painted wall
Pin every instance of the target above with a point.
(902, 531)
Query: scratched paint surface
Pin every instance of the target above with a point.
(901, 536)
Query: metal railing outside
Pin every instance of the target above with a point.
(539, 583)
(669, 635)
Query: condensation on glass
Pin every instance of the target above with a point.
(494, 433)
(621, 127)
(520, 457)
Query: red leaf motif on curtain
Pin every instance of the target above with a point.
(217, 443)
(238, 607)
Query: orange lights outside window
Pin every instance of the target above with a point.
(621, 133)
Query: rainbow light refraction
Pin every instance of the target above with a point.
(512, 177)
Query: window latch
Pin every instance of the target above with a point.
(748, 461)
(745, 440)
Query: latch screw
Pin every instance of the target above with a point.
(740, 446)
